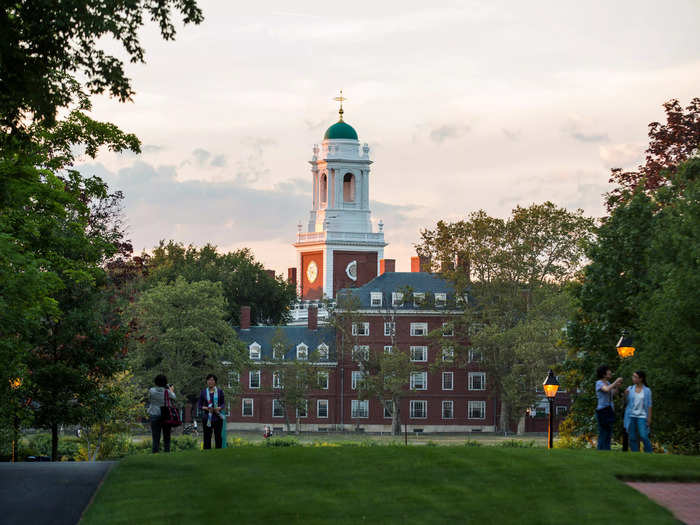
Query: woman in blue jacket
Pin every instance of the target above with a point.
(638, 412)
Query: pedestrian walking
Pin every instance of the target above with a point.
(605, 410)
(637, 418)
(212, 403)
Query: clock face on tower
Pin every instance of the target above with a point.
(311, 271)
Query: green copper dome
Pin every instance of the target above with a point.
(341, 130)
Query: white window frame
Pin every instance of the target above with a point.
(234, 375)
(451, 375)
(396, 298)
(323, 374)
(413, 406)
(319, 403)
(355, 376)
(388, 349)
(452, 409)
(323, 352)
(419, 377)
(561, 413)
(472, 376)
(424, 354)
(447, 326)
(243, 406)
(251, 374)
(389, 328)
(375, 299)
(473, 354)
(384, 410)
(306, 410)
(276, 380)
(448, 353)
(277, 403)
(358, 407)
(363, 332)
(418, 299)
(302, 352)
(363, 349)
(476, 405)
(255, 352)
(440, 300)
(419, 329)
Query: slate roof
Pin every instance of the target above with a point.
(389, 282)
(295, 335)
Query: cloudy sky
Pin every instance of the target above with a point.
(465, 105)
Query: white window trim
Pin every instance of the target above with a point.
(252, 373)
(323, 352)
(252, 407)
(411, 410)
(442, 409)
(423, 375)
(365, 329)
(483, 380)
(390, 416)
(318, 405)
(306, 402)
(472, 354)
(481, 404)
(326, 374)
(451, 332)
(302, 352)
(448, 354)
(358, 403)
(418, 299)
(424, 351)
(355, 376)
(364, 349)
(255, 348)
(373, 296)
(277, 402)
(388, 349)
(564, 412)
(391, 325)
(451, 375)
(416, 327)
(440, 300)
(396, 298)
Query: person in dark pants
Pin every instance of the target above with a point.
(212, 403)
(156, 400)
(605, 410)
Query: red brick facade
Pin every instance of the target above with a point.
(366, 268)
(312, 290)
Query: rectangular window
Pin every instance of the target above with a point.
(388, 349)
(396, 299)
(277, 408)
(360, 328)
(234, 378)
(389, 329)
(323, 380)
(448, 380)
(477, 380)
(440, 300)
(254, 352)
(419, 354)
(247, 407)
(276, 381)
(388, 408)
(419, 329)
(418, 299)
(360, 353)
(419, 380)
(303, 410)
(476, 410)
(448, 353)
(447, 330)
(562, 410)
(475, 356)
(254, 379)
(448, 411)
(322, 408)
(376, 298)
(355, 378)
(419, 409)
(360, 408)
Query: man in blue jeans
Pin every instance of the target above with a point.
(605, 410)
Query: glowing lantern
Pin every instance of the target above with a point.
(625, 346)
(550, 385)
(15, 383)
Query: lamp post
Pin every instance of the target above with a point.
(550, 386)
(625, 348)
(15, 384)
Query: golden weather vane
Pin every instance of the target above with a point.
(340, 99)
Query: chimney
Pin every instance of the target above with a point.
(245, 318)
(464, 265)
(420, 264)
(271, 273)
(313, 317)
(387, 266)
(292, 275)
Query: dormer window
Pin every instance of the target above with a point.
(302, 352)
(440, 300)
(254, 352)
(376, 299)
(323, 352)
(418, 299)
(396, 299)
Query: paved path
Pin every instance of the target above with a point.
(48, 493)
(683, 499)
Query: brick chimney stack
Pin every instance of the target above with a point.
(313, 317)
(271, 273)
(292, 275)
(387, 266)
(245, 318)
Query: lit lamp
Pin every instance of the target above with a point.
(550, 386)
(625, 346)
(14, 385)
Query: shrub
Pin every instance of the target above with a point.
(40, 445)
(186, 442)
(471, 443)
(683, 440)
(282, 442)
(516, 443)
(569, 441)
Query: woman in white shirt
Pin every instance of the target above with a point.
(156, 400)
(638, 412)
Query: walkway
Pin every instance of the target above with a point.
(683, 499)
(48, 493)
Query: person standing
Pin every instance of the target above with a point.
(212, 403)
(156, 400)
(638, 412)
(605, 411)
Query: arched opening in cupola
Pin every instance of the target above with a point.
(324, 188)
(349, 187)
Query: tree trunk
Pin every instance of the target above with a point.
(503, 420)
(395, 418)
(521, 425)
(297, 427)
(286, 419)
(54, 441)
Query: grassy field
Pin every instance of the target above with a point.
(386, 484)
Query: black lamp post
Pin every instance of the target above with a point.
(550, 386)
(625, 348)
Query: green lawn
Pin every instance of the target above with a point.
(385, 484)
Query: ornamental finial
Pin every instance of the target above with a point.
(340, 99)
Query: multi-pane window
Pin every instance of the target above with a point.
(254, 379)
(447, 330)
(448, 380)
(419, 354)
(277, 408)
(276, 380)
(419, 380)
(388, 408)
(389, 329)
(359, 408)
(562, 410)
(278, 352)
(476, 410)
(448, 353)
(360, 328)
(355, 378)
(376, 298)
(302, 352)
(419, 409)
(233, 379)
(448, 410)
(419, 329)
(360, 353)
(254, 352)
(247, 407)
(322, 408)
(418, 299)
(388, 349)
(396, 298)
(323, 352)
(477, 380)
(440, 299)
(475, 356)
(323, 380)
(303, 410)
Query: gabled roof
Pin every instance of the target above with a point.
(295, 335)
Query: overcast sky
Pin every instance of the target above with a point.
(465, 105)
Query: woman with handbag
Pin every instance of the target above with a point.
(212, 403)
(157, 401)
(605, 410)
